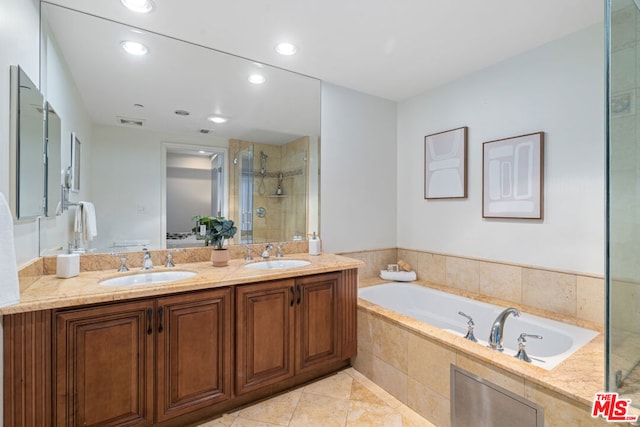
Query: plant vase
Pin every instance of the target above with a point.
(220, 257)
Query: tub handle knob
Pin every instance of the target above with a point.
(470, 326)
(522, 343)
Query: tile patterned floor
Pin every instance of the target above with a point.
(346, 399)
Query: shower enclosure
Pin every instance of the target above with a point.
(268, 194)
(622, 30)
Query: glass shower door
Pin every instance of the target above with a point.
(623, 200)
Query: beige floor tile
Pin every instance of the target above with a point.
(337, 386)
(411, 418)
(364, 414)
(360, 393)
(225, 420)
(243, 422)
(321, 411)
(346, 399)
(277, 410)
(375, 389)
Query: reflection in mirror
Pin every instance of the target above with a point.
(195, 186)
(53, 172)
(27, 146)
(135, 107)
(269, 190)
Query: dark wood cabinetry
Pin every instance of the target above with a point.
(169, 360)
(105, 365)
(193, 352)
(288, 327)
(109, 358)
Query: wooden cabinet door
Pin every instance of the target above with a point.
(104, 359)
(318, 328)
(264, 334)
(193, 351)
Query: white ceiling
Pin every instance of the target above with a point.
(391, 49)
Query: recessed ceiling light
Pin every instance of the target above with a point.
(181, 112)
(257, 79)
(134, 48)
(286, 48)
(218, 119)
(138, 6)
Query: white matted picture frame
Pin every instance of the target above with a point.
(513, 177)
(445, 164)
(76, 154)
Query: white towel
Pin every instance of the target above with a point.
(89, 219)
(398, 276)
(9, 285)
(85, 221)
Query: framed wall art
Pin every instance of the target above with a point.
(513, 174)
(445, 164)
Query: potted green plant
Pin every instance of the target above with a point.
(218, 230)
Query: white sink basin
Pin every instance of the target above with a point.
(278, 264)
(148, 278)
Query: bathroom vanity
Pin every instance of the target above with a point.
(76, 353)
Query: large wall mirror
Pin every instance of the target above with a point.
(181, 121)
(26, 147)
(53, 172)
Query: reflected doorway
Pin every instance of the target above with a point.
(195, 186)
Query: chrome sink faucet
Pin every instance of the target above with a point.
(280, 254)
(265, 253)
(496, 337)
(147, 264)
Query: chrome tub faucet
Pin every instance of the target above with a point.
(496, 336)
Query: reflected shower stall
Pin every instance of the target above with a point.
(622, 29)
(268, 192)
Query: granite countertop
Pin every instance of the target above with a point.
(579, 377)
(49, 291)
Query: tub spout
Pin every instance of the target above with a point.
(496, 337)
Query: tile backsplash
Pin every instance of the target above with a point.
(565, 293)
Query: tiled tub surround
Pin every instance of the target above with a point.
(558, 292)
(411, 360)
(441, 309)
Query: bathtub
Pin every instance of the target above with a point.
(440, 309)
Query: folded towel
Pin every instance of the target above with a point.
(9, 285)
(398, 276)
(89, 220)
(85, 221)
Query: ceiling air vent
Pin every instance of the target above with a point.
(129, 121)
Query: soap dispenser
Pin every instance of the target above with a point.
(314, 245)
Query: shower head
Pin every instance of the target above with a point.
(263, 156)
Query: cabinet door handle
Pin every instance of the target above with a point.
(299, 293)
(149, 321)
(160, 328)
(293, 295)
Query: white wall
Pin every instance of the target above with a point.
(557, 88)
(358, 171)
(19, 29)
(60, 91)
(127, 170)
(19, 21)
